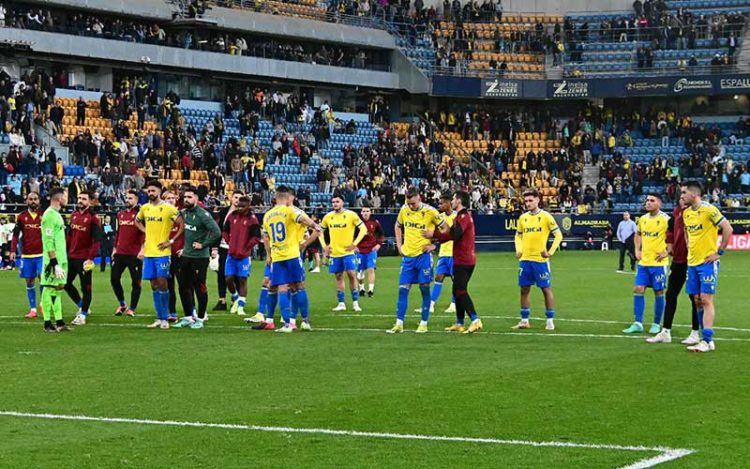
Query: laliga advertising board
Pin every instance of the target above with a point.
(739, 242)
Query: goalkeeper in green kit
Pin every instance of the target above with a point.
(55, 261)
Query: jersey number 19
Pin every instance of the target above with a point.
(278, 232)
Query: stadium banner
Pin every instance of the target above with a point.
(499, 88)
(740, 222)
(571, 225)
(457, 86)
(673, 85)
(567, 89)
(735, 84)
(647, 86)
(739, 242)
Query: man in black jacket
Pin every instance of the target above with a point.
(81, 111)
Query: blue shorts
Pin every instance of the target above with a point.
(237, 267)
(367, 261)
(702, 278)
(534, 273)
(651, 276)
(445, 266)
(156, 267)
(342, 264)
(416, 269)
(267, 271)
(287, 272)
(31, 267)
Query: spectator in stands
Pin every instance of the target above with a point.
(81, 111)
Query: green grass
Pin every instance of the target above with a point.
(589, 386)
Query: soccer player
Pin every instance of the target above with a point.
(416, 260)
(223, 250)
(367, 252)
(241, 231)
(461, 232)
(677, 246)
(532, 234)
(283, 255)
(83, 245)
(175, 261)
(29, 230)
(55, 261)
(342, 231)
(653, 257)
(156, 219)
(701, 220)
(267, 300)
(127, 254)
(200, 232)
(445, 256)
(302, 237)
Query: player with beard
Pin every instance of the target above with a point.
(127, 254)
(84, 235)
(55, 261)
(242, 232)
(200, 232)
(156, 220)
(28, 230)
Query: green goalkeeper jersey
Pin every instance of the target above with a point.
(53, 236)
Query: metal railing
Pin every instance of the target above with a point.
(635, 71)
(484, 171)
(463, 70)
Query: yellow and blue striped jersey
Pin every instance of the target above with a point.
(702, 232)
(446, 247)
(534, 229)
(281, 225)
(342, 228)
(159, 220)
(653, 231)
(414, 221)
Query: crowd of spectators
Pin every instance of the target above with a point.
(602, 136)
(204, 39)
(374, 175)
(661, 29)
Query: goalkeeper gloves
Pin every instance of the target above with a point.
(50, 267)
(53, 266)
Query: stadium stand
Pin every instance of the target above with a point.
(123, 28)
(668, 36)
(141, 131)
(514, 46)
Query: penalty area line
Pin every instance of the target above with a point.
(665, 454)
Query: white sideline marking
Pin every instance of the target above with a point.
(591, 321)
(667, 454)
(550, 334)
(441, 315)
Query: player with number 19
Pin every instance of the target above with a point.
(283, 253)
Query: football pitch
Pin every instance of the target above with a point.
(115, 394)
